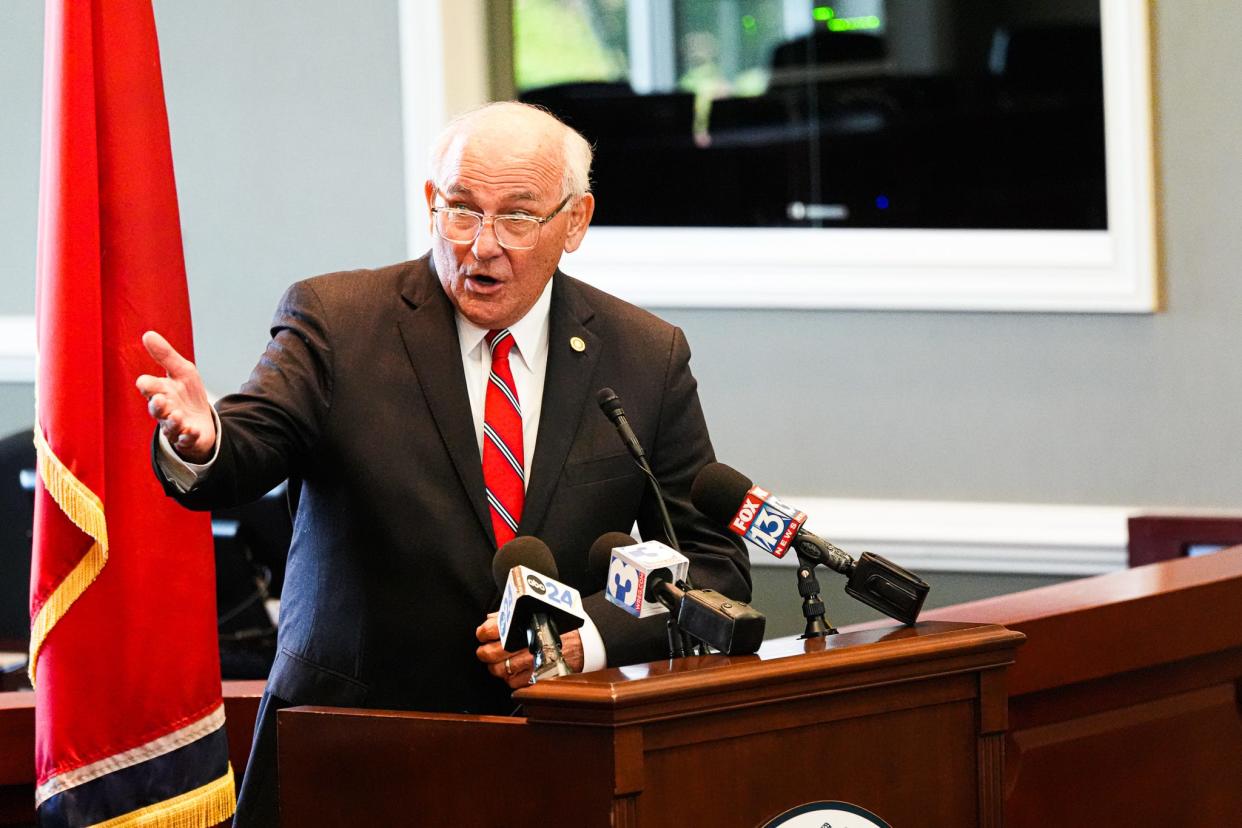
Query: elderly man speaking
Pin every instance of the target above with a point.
(432, 410)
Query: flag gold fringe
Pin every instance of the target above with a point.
(203, 807)
(84, 508)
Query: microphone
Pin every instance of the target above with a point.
(631, 569)
(726, 495)
(622, 586)
(535, 607)
(643, 580)
(599, 558)
(610, 404)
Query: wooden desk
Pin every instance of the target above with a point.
(1124, 703)
(17, 775)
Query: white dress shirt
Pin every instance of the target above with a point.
(528, 360)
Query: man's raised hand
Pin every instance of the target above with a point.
(178, 401)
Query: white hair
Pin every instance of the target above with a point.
(576, 153)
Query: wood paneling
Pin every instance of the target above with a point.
(893, 720)
(1124, 702)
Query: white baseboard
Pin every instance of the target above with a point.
(934, 536)
(17, 349)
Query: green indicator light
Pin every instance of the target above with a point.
(854, 24)
(748, 22)
(822, 12)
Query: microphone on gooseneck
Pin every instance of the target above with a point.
(535, 608)
(610, 404)
(765, 523)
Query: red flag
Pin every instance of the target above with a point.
(123, 654)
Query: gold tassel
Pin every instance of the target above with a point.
(84, 508)
(203, 807)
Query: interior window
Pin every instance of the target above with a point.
(935, 114)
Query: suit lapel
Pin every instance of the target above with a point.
(566, 392)
(429, 333)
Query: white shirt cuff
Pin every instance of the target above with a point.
(184, 474)
(593, 655)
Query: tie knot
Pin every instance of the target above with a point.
(500, 343)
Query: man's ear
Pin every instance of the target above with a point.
(579, 219)
(429, 190)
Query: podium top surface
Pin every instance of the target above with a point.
(870, 656)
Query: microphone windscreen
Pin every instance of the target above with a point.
(608, 401)
(523, 551)
(718, 491)
(600, 555)
(658, 576)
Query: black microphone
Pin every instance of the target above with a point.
(725, 625)
(728, 496)
(610, 404)
(600, 556)
(535, 607)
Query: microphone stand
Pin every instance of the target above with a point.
(642, 464)
(676, 642)
(812, 604)
(544, 643)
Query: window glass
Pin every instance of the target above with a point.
(560, 41)
(855, 113)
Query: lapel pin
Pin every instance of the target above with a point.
(577, 344)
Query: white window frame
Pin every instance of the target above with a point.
(1114, 270)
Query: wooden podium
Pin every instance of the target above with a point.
(906, 722)
(1124, 708)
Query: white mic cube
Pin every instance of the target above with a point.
(629, 569)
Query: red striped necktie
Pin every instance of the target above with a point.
(503, 474)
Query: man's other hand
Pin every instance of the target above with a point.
(178, 401)
(514, 668)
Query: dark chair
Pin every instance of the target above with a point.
(17, 460)
(645, 155)
(822, 47)
(1164, 537)
(251, 544)
(17, 456)
(1064, 61)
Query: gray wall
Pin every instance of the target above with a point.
(286, 132)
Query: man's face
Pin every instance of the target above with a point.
(499, 174)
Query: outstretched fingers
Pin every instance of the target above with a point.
(166, 355)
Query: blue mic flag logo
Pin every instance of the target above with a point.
(768, 528)
(766, 523)
(623, 582)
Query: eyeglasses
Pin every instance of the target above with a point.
(513, 231)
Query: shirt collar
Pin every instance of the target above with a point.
(530, 333)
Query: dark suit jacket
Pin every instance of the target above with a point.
(361, 395)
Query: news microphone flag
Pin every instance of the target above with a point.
(628, 572)
(528, 592)
(765, 523)
(129, 723)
